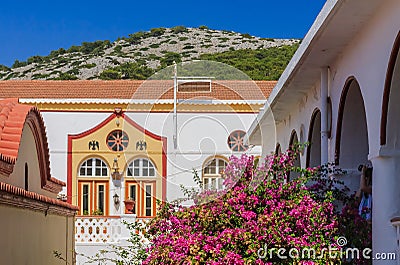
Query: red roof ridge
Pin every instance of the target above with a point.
(35, 196)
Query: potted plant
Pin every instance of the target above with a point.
(129, 206)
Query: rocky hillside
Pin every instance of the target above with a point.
(141, 54)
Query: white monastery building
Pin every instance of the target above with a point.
(122, 145)
(340, 92)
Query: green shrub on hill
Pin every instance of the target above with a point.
(155, 32)
(118, 49)
(110, 74)
(179, 29)
(169, 58)
(262, 64)
(40, 76)
(247, 36)
(73, 48)
(18, 64)
(135, 38)
(4, 68)
(37, 59)
(57, 52)
(128, 70)
(94, 47)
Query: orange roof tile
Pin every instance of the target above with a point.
(12, 119)
(127, 89)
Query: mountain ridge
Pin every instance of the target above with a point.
(141, 54)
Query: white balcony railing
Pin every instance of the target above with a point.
(104, 229)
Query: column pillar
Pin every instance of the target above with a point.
(385, 205)
(324, 114)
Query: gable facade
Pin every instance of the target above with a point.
(116, 145)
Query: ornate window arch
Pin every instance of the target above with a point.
(141, 167)
(93, 167)
(236, 141)
(213, 172)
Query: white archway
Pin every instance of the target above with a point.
(314, 140)
(352, 147)
(352, 133)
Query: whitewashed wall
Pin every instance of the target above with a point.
(200, 136)
(366, 59)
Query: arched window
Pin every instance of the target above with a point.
(93, 167)
(213, 173)
(141, 167)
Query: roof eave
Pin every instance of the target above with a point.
(294, 65)
(335, 26)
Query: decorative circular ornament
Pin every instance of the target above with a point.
(117, 140)
(236, 141)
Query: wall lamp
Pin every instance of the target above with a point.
(116, 199)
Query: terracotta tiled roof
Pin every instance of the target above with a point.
(12, 119)
(127, 89)
(13, 116)
(35, 196)
(57, 181)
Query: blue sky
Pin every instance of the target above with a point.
(30, 28)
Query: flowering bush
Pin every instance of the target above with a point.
(356, 230)
(257, 214)
(258, 210)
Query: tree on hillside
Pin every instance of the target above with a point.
(155, 32)
(169, 58)
(261, 64)
(130, 70)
